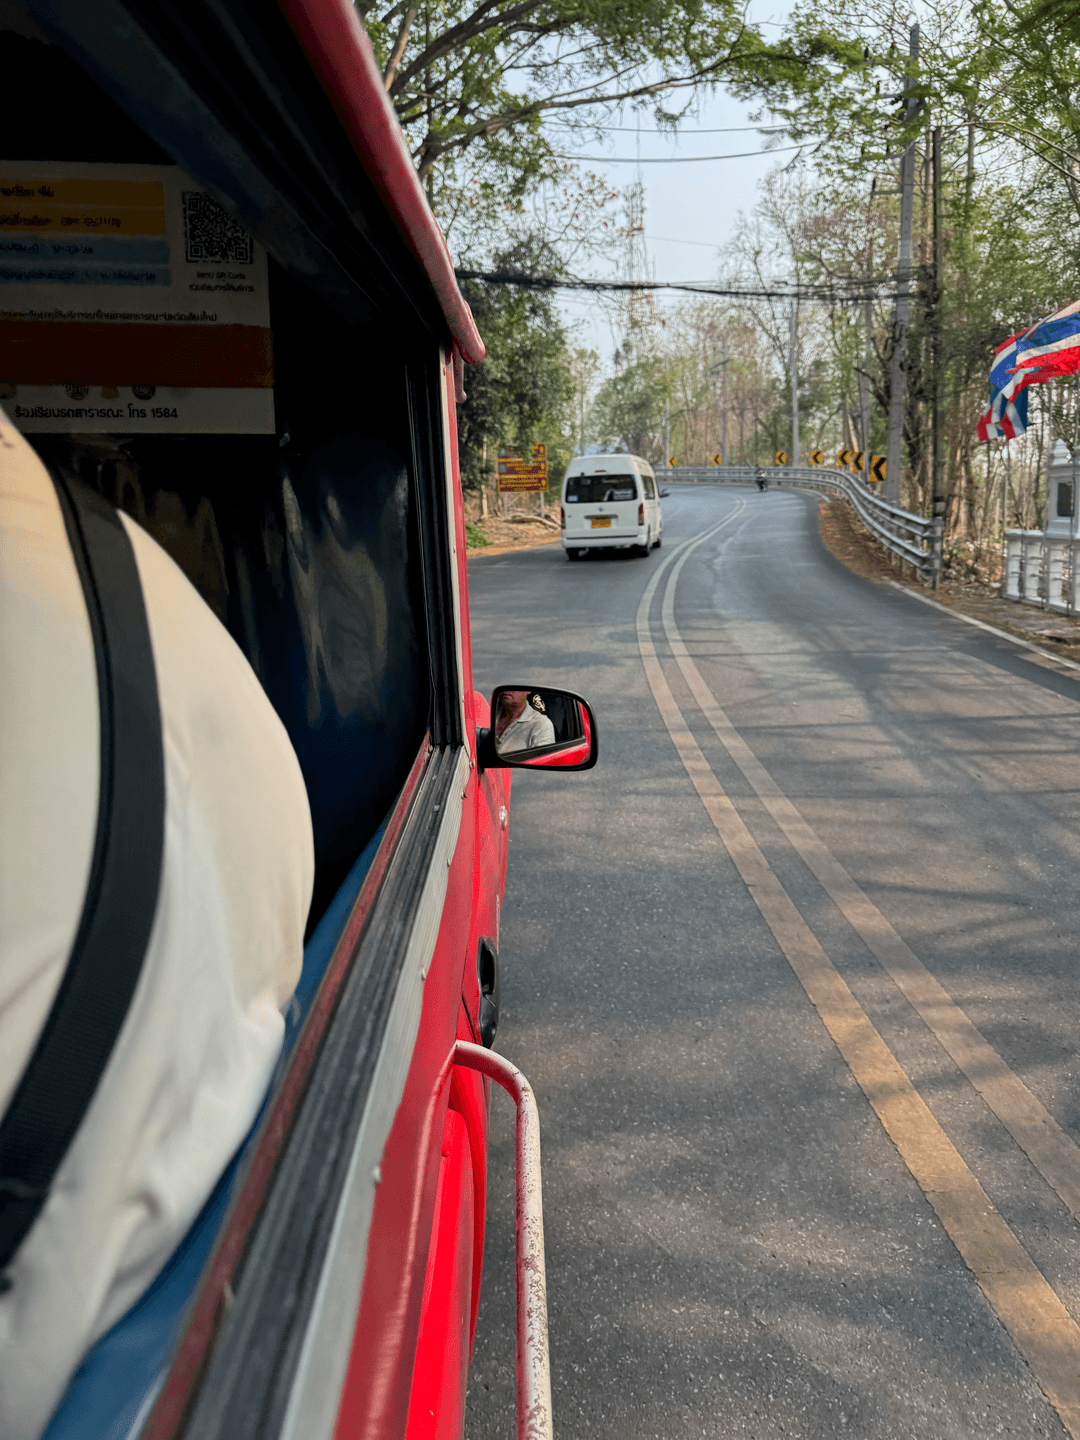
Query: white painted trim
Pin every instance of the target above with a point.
(451, 511)
(324, 1359)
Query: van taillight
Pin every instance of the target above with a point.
(641, 513)
(562, 517)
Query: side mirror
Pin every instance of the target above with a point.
(539, 728)
(664, 494)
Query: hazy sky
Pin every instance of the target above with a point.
(689, 207)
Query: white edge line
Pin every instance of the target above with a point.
(324, 1357)
(982, 625)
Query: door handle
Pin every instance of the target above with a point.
(487, 971)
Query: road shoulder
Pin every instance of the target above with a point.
(1034, 628)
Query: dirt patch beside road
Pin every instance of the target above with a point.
(849, 542)
(503, 534)
(859, 551)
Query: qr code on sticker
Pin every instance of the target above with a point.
(211, 235)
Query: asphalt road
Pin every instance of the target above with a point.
(790, 1188)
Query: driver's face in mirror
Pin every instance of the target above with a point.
(522, 722)
(535, 727)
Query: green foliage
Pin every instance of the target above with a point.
(474, 537)
(629, 409)
(482, 75)
(521, 393)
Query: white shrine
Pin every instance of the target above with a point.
(1043, 566)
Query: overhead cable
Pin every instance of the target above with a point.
(673, 159)
(676, 134)
(840, 290)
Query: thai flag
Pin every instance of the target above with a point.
(1007, 416)
(1053, 346)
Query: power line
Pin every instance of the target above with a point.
(832, 291)
(673, 159)
(671, 240)
(678, 134)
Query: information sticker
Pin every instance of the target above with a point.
(130, 302)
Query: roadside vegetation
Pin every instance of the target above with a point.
(495, 98)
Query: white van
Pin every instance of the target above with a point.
(610, 502)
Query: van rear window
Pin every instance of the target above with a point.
(595, 489)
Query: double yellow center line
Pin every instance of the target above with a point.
(1031, 1311)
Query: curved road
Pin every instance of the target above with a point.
(793, 973)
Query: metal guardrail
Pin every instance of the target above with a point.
(913, 538)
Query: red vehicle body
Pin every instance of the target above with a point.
(330, 1289)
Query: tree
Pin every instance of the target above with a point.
(584, 368)
(522, 391)
(467, 75)
(629, 410)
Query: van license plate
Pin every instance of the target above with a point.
(600, 522)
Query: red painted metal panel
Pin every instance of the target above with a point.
(340, 53)
(375, 1397)
(437, 1404)
(573, 756)
(413, 1321)
(470, 1096)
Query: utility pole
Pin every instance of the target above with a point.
(898, 379)
(864, 378)
(937, 532)
(794, 390)
(724, 362)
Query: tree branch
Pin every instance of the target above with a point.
(399, 46)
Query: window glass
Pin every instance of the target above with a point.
(595, 489)
(650, 488)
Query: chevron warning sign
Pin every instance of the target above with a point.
(780, 457)
(844, 456)
(672, 460)
(718, 459)
(816, 457)
(877, 467)
(857, 462)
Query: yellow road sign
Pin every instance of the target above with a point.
(671, 460)
(878, 466)
(780, 457)
(857, 462)
(816, 457)
(718, 459)
(844, 456)
(517, 474)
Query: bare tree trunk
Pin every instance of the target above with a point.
(970, 495)
(849, 436)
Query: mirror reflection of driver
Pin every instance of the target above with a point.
(520, 722)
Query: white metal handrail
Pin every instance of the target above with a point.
(1042, 569)
(907, 535)
(534, 1418)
